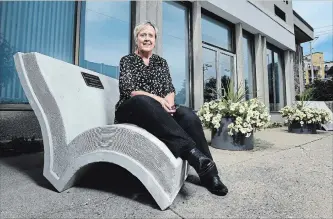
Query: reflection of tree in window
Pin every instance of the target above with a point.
(181, 95)
(209, 84)
(225, 81)
(6, 61)
(247, 89)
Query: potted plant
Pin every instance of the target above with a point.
(232, 120)
(303, 119)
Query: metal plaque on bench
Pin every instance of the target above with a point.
(92, 80)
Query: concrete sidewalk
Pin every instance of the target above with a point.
(286, 175)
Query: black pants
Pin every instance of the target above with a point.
(181, 132)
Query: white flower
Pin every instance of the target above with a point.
(213, 106)
(231, 125)
(207, 116)
(248, 134)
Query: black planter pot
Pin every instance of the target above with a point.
(305, 129)
(222, 140)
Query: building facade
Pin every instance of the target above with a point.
(318, 63)
(255, 43)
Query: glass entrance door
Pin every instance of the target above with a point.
(218, 69)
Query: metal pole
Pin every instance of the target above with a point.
(312, 74)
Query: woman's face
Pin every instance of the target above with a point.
(146, 39)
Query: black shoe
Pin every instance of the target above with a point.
(207, 172)
(214, 184)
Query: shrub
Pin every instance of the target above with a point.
(321, 90)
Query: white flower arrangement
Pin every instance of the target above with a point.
(248, 116)
(301, 114)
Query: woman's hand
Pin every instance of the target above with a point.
(166, 106)
(164, 102)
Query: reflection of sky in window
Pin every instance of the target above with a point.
(216, 33)
(226, 65)
(209, 64)
(175, 41)
(107, 31)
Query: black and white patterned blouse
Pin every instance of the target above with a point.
(135, 75)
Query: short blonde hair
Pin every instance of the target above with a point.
(139, 27)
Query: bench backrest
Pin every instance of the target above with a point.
(59, 90)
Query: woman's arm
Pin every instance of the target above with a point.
(164, 102)
(126, 81)
(170, 98)
(139, 92)
(126, 84)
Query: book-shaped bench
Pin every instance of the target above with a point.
(75, 108)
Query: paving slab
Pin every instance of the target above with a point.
(293, 183)
(106, 190)
(286, 175)
(266, 142)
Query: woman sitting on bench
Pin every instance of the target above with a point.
(147, 100)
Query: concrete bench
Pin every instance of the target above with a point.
(75, 109)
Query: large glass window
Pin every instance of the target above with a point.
(276, 80)
(218, 64)
(175, 48)
(46, 27)
(105, 35)
(248, 66)
(216, 33)
(218, 69)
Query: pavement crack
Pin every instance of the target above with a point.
(176, 213)
(301, 145)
